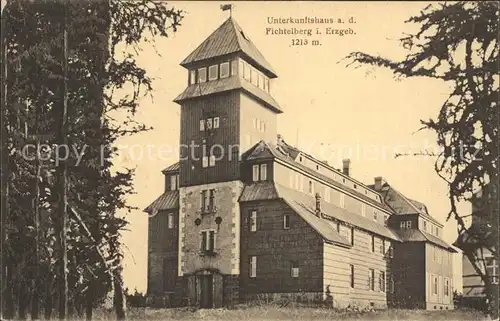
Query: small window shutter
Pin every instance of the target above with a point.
(211, 243)
(203, 241)
(213, 199)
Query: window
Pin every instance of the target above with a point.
(213, 72)
(259, 172)
(241, 68)
(202, 75)
(234, 67)
(267, 84)
(208, 200)
(338, 227)
(246, 71)
(425, 226)
(352, 275)
(371, 279)
(437, 232)
(374, 215)
(224, 70)
(434, 285)
(363, 209)
(372, 243)
(386, 218)
(261, 81)
(311, 187)
(391, 284)
(492, 269)
(446, 287)
(192, 77)
(216, 122)
(405, 224)
(170, 220)
(382, 246)
(173, 182)
(263, 172)
(351, 235)
(209, 124)
(253, 266)
(295, 269)
(327, 194)
(286, 221)
(390, 253)
(204, 161)
(208, 241)
(381, 281)
(255, 77)
(253, 221)
(211, 161)
(202, 124)
(255, 173)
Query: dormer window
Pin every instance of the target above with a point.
(259, 172)
(174, 182)
(213, 72)
(202, 75)
(192, 77)
(234, 67)
(255, 77)
(224, 70)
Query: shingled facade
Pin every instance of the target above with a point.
(258, 218)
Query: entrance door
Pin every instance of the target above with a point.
(207, 290)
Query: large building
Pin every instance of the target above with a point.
(474, 294)
(246, 216)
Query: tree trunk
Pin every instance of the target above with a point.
(35, 300)
(6, 300)
(89, 302)
(62, 186)
(118, 297)
(9, 293)
(48, 298)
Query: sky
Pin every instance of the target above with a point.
(329, 108)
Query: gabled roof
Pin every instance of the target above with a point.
(226, 84)
(304, 205)
(166, 201)
(172, 168)
(403, 205)
(287, 154)
(227, 39)
(414, 235)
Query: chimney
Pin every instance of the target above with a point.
(279, 140)
(379, 182)
(346, 166)
(318, 205)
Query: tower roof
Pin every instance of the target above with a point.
(229, 38)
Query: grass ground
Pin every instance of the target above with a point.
(293, 313)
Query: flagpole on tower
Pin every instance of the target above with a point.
(229, 7)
